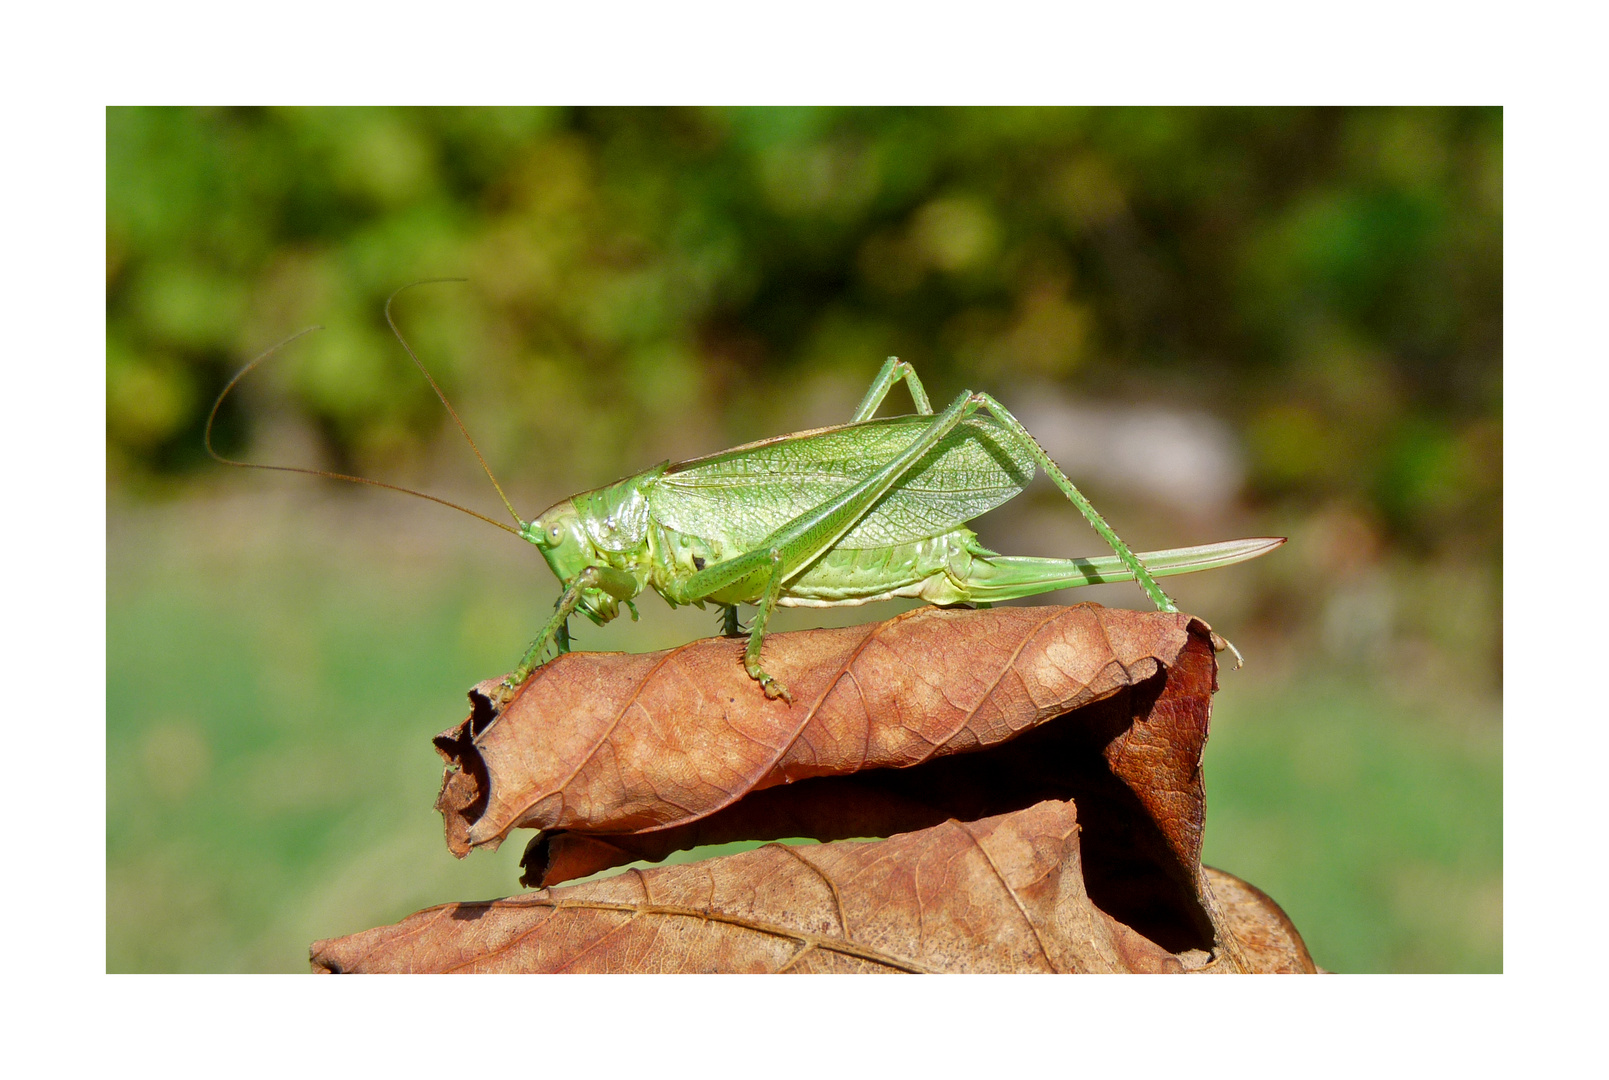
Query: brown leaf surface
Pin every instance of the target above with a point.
(1002, 894)
(1264, 932)
(895, 726)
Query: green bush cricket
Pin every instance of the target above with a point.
(839, 516)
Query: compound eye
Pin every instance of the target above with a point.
(555, 533)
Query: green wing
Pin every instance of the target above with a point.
(743, 495)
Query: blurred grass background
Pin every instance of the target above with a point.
(1221, 322)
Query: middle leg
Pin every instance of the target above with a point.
(795, 545)
(751, 654)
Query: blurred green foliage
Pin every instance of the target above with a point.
(1330, 280)
(651, 283)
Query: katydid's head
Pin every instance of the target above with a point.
(559, 535)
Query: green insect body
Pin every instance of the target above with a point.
(869, 510)
(838, 516)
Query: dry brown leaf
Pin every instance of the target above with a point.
(1260, 927)
(1037, 770)
(1002, 894)
(895, 726)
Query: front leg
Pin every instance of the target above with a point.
(557, 630)
(619, 585)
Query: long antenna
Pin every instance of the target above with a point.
(431, 379)
(242, 373)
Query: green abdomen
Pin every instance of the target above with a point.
(922, 568)
(927, 569)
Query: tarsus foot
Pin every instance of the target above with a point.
(505, 694)
(772, 688)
